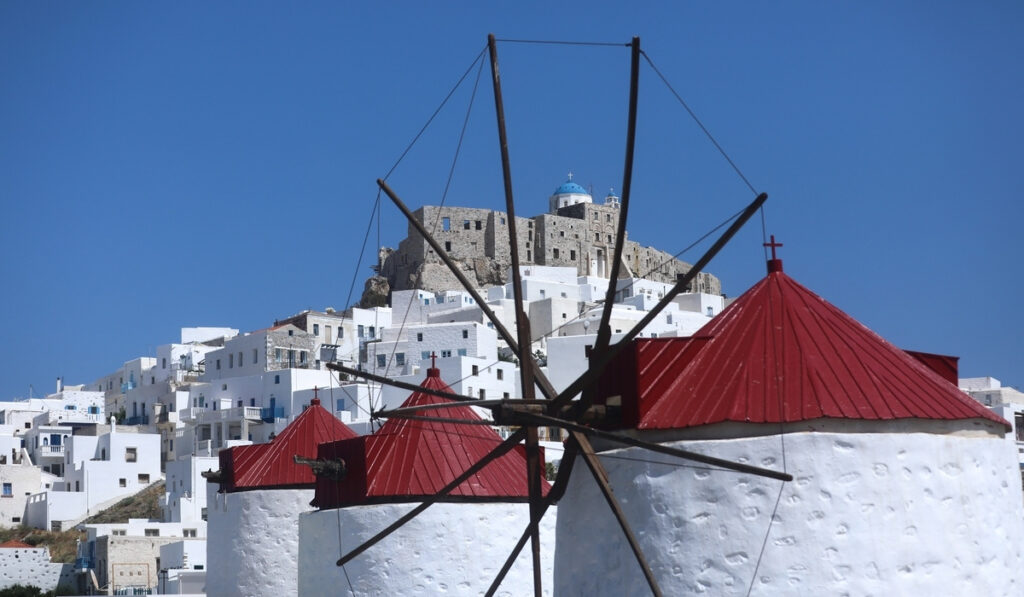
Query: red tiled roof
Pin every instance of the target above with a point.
(271, 465)
(779, 353)
(15, 544)
(406, 460)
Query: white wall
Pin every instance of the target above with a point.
(185, 488)
(25, 480)
(31, 566)
(253, 544)
(867, 514)
(449, 549)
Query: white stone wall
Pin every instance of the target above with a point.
(25, 480)
(866, 514)
(449, 549)
(185, 488)
(253, 542)
(31, 566)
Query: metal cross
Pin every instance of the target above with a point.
(773, 244)
(433, 360)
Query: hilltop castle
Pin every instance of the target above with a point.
(576, 232)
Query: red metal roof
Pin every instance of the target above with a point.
(407, 460)
(779, 353)
(15, 544)
(271, 465)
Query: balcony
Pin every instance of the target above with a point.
(269, 414)
(51, 451)
(127, 386)
(83, 564)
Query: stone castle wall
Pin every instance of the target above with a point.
(581, 235)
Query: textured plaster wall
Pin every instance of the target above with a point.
(32, 567)
(449, 549)
(253, 541)
(866, 514)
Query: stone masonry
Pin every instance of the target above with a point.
(580, 235)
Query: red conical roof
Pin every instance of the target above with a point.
(408, 459)
(271, 465)
(781, 353)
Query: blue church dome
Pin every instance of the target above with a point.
(569, 187)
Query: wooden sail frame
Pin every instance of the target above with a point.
(557, 409)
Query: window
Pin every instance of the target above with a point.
(362, 331)
(595, 216)
(554, 253)
(255, 356)
(465, 224)
(465, 333)
(572, 255)
(163, 363)
(448, 246)
(419, 337)
(528, 256)
(400, 359)
(502, 220)
(445, 354)
(204, 513)
(302, 356)
(239, 402)
(69, 407)
(131, 455)
(252, 402)
(316, 329)
(122, 482)
(476, 370)
(340, 404)
(223, 386)
(277, 354)
(478, 227)
(188, 532)
(541, 293)
(218, 364)
(118, 532)
(711, 311)
(1018, 419)
(425, 355)
(382, 360)
(94, 410)
(500, 373)
(561, 233)
(607, 217)
(8, 490)
(291, 332)
(609, 238)
(504, 395)
(152, 532)
(277, 379)
(446, 223)
(144, 479)
(461, 352)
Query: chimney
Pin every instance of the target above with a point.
(60, 385)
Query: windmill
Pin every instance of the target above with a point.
(581, 418)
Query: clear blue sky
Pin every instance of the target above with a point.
(189, 164)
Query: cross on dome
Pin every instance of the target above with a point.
(433, 360)
(316, 397)
(570, 175)
(774, 264)
(773, 244)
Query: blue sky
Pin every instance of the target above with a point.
(188, 164)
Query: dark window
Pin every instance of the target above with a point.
(465, 224)
(478, 226)
(446, 223)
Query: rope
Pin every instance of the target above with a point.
(564, 43)
(699, 123)
(444, 198)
